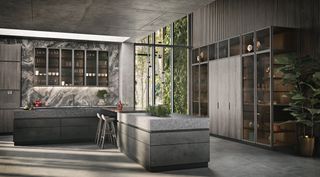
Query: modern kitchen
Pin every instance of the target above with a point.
(159, 88)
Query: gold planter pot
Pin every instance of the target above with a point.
(306, 145)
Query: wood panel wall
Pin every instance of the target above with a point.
(227, 18)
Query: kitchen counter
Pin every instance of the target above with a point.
(165, 143)
(72, 112)
(56, 125)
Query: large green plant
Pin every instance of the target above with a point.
(304, 76)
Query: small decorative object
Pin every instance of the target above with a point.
(258, 45)
(37, 73)
(37, 103)
(119, 105)
(249, 48)
(198, 58)
(62, 83)
(159, 111)
(201, 55)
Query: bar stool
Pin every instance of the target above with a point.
(107, 131)
(99, 127)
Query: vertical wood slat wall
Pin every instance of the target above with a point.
(226, 18)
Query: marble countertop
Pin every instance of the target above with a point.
(67, 112)
(174, 122)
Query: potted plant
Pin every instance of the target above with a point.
(159, 111)
(302, 74)
(102, 95)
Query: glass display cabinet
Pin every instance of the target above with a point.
(213, 52)
(103, 68)
(91, 68)
(223, 49)
(69, 67)
(66, 67)
(79, 67)
(200, 81)
(53, 67)
(264, 95)
(40, 64)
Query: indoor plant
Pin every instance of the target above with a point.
(102, 94)
(159, 111)
(303, 75)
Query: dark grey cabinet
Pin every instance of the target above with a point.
(10, 74)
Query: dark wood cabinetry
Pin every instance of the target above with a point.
(10, 73)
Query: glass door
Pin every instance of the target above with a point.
(248, 89)
(66, 67)
(103, 68)
(79, 67)
(91, 68)
(263, 98)
(195, 90)
(40, 70)
(204, 89)
(53, 66)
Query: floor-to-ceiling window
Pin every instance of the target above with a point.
(161, 68)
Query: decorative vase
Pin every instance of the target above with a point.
(306, 145)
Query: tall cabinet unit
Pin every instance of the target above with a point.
(200, 81)
(225, 89)
(264, 94)
(10, 73)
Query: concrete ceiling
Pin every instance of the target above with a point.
(131, 18)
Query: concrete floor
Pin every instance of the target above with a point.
(229, 159)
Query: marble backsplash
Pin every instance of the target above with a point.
(66, 96)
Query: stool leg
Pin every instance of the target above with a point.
(98, 132)
(103, 135)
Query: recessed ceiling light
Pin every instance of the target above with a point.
(61, 35)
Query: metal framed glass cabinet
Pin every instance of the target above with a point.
(264, 96)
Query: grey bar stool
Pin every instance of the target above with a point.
(108, 131)
(99, 129)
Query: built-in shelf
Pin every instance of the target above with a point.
(70, 67)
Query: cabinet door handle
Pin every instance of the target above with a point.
(229, 105)
(218, 105)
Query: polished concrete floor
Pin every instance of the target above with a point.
(229, 159)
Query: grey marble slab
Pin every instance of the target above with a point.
(173, 123)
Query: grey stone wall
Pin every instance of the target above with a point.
(65, 96)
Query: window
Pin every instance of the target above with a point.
(161, 74)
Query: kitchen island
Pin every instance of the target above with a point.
(164, 143)
(57, 125)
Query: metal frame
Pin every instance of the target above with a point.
(153, 45)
